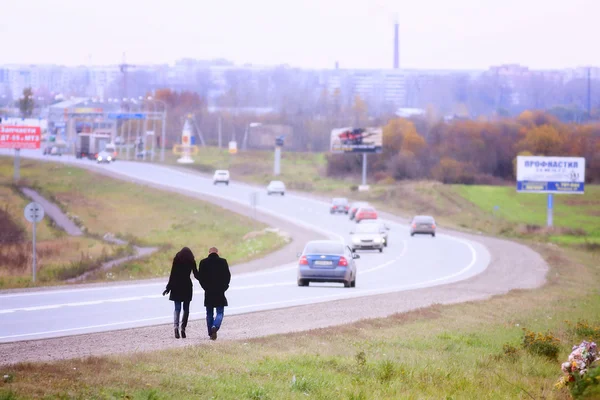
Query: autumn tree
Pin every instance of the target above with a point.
(543, 140)
(360, 112)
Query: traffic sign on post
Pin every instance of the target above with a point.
(34, 213)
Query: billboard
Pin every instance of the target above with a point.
(356, 140)
(20, 137)
(550, 174)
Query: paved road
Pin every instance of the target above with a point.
(408, 263)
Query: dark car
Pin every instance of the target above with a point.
(423, 224)
(354, 208)
(327, 261)
(339, 205)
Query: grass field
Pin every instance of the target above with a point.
(138, 214)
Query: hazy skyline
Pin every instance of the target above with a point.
(434, 34)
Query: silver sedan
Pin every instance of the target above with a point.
(423, 224)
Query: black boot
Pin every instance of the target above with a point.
(176, 323)
(184, 322)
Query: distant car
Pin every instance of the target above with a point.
(221, 176)
(339, 205)
(327, 261)
(423, 224)
(365, 213)
(104, 157)
(381, 226)
(144, 153)
(52, 150)
(367, 237)
(275, 187)
(111, 149)
(354, 208)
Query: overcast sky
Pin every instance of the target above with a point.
(437, 34)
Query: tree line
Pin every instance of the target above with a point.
(472, 152)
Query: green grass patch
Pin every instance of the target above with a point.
(299, 171)
(139, 214)
(576, 217)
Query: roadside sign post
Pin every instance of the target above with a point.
(357, 140)
(549, 215)
(17, 138)
(277, 161)
(17, 165)
(551, 175)
(34, 213)
(254, 201)
(364, 170)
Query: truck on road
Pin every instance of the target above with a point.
(90, 144)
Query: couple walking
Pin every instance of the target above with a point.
(214, 277)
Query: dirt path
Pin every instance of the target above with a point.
(67, 225)
(54, 213)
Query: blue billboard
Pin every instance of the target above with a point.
(550, 174)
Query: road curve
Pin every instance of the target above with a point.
(409, 265)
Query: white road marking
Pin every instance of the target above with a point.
(301, 301)
(273, 270)
(386, 264)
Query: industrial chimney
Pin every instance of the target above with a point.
(396, 44)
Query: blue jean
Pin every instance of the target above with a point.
(186, 314)
(210, 317)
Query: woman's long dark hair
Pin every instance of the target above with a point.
(185, 256)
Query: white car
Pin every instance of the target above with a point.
(221, 176)
(276, 187)
(104, 157)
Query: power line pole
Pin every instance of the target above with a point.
(219, 131)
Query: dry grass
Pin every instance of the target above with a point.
(138, 214)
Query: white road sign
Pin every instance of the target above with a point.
(34, 212)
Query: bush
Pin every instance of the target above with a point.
(452, 171)
(510, 351)
(541, 344)
(583, 329)
(587, 386)
(406, 166)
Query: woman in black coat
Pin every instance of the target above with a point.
(180, 287)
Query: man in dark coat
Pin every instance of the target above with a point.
(214, 277)
(180, 287)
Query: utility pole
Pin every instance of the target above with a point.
(198, 131)
(219, 130)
